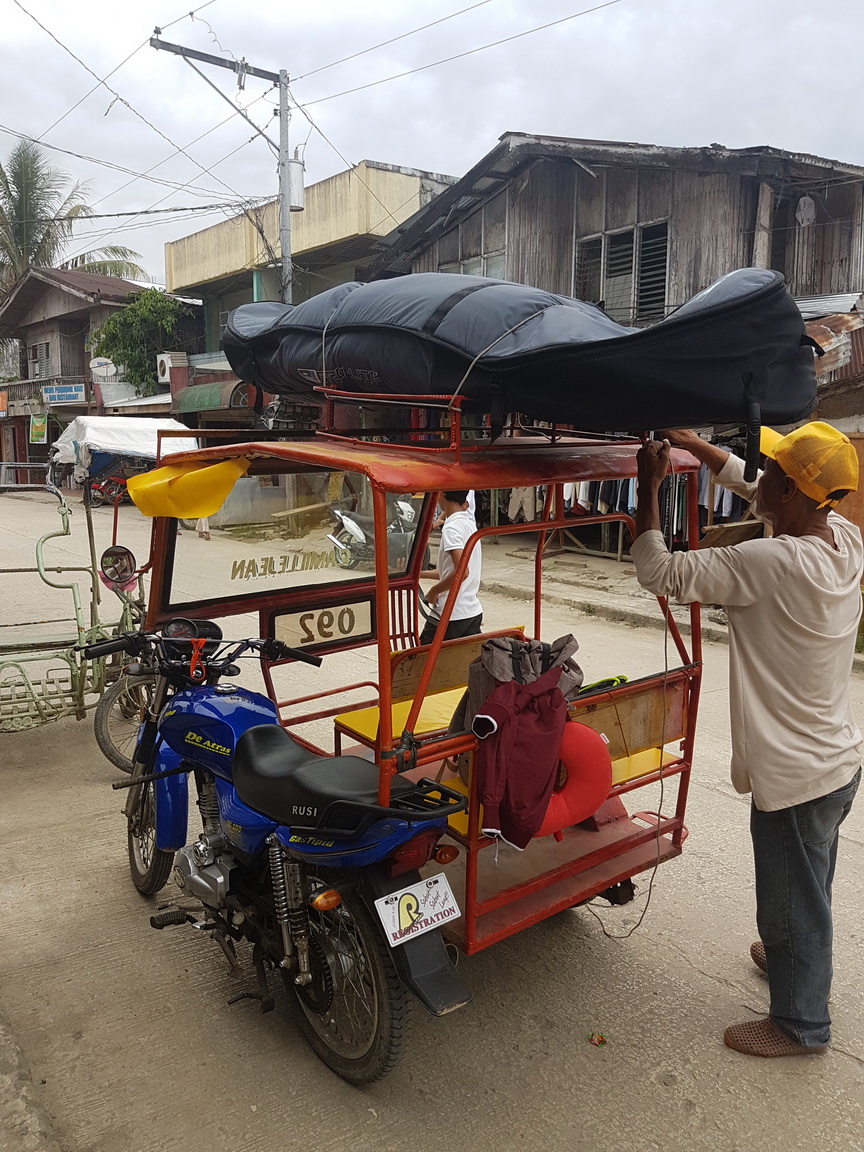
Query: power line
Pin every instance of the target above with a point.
(461, 55)
(135, 212)
(116, 167)
(134, 52)
(392, 40)
(121, 99)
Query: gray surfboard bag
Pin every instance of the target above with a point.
(737, 353)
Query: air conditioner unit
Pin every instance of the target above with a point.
(165, 361)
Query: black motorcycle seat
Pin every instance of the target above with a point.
(283, 780)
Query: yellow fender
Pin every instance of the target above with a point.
(186, 490)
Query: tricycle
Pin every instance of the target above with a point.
(335, 836)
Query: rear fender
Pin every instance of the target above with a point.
(171, 801)
(422, 962)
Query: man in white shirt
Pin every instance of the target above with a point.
(793, 603)
(467, 616)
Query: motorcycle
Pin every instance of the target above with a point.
(354, 542)
(111, 490)
(295, 854)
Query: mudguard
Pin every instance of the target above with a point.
(171, 801)
(422, 963)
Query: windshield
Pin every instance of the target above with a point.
(287, 532)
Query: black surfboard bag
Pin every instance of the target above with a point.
(734, 354)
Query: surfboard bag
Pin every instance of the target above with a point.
(734, 354)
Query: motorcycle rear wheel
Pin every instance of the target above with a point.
(149, 866)
(117, 718)
(342, 553)
(361, 1026)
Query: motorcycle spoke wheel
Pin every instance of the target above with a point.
(149, 866)
(361, 1033)
(118, 716)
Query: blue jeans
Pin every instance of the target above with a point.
(795, 851)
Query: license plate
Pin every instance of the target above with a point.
(420, 908)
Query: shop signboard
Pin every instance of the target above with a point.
(73, 392)
(38, 429)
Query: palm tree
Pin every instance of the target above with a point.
(38, 212)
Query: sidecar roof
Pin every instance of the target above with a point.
(518, 463)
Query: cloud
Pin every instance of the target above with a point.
(675, 72)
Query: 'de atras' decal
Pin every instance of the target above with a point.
(206, 745)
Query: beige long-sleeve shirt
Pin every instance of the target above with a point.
(793, 605)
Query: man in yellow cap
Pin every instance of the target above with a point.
(793, 602)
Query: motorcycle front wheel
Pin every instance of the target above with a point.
(342, 553)
(149, 866)
(117, 718)
(356, 1013)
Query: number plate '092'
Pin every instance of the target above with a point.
(325, 625)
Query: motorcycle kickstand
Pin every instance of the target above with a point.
(227, 946)
(263, 993)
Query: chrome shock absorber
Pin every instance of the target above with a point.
(210, 841)
(289, 902)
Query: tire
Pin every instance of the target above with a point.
(188, 524)
(149, 866)
(355, 989)
(118, 716)
(343, 554)
(96, 499)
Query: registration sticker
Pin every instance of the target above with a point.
(418, 909)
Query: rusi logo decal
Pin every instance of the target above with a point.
(199, 741)
(276, 565)
(303, 810)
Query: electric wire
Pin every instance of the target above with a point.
(392, 40)
(173, 184)
(122, 99)
(462, 55)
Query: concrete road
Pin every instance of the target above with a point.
(131, 1047)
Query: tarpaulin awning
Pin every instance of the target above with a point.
(215, 396)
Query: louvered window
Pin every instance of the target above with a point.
(651, 281)
(625, 273)
(40, 360)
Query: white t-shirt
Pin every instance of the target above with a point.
(793, 604)
(454, 536)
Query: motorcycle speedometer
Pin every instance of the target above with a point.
(180, 629)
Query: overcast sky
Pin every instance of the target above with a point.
(675, 72)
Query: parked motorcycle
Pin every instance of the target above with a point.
(354, 541)
(295, 855)
(109, 490)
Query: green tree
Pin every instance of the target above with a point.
(135, 335)
(39, 208)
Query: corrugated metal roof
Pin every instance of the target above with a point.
(812, 306)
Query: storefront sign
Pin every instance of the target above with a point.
(4, 405)
(65, 393)
(38, 429)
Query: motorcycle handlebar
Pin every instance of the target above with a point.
(106, 647)
(276, 650)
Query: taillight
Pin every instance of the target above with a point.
(414, 853)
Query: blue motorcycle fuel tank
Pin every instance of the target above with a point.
(204, 724)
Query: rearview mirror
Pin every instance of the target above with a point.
(118, 566)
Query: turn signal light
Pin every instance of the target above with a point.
(445, 853)
(327, 900)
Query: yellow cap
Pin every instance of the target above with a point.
(819, 459)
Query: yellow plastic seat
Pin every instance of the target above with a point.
(435, 715)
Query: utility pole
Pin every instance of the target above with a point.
(280, 79)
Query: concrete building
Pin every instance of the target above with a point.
(237, 261)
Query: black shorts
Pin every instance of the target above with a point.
(470, 626)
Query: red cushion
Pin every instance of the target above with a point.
(589, 778)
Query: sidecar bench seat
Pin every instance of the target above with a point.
(279, 778)
(446, 688)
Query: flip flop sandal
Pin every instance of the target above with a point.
(757, 955)
(763, 1038)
